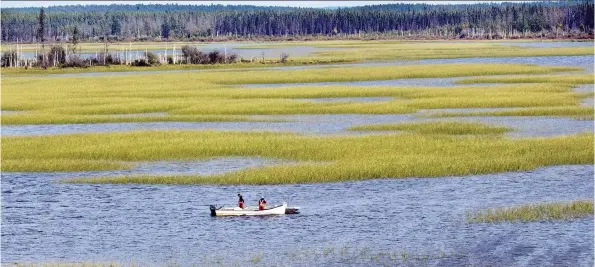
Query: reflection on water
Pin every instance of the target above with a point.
(43, 220)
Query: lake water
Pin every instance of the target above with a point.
(44, 220)
(247, 54)
(318, 124)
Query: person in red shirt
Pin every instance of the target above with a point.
(240, 201)
(261, 203)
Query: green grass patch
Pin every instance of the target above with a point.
(346, 74)
(51, 118)
(320, 159)
(534, 212)
(207, 96)
(564, 79)
(568, 111)
(22, 72)
(436, 127)
(414, 51)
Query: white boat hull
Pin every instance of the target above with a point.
(248, 211)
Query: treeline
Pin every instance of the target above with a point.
(184, 22)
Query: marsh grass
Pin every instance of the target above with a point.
(556, 78)
(346, 74)
(319, 158)
(568, 111)
(76, 100)
(21, 72)
(443, 51)
(534, 212)
(51, 118)
(436, 127)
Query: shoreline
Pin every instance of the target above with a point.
(590, 38)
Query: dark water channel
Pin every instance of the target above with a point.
(153, 224)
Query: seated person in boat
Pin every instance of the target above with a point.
(261, 203)
(240, 201)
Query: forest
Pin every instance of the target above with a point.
(156, 22)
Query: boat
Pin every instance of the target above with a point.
(248, 211)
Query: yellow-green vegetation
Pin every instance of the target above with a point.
(52, 118)
(319, 158)
(436, 127)
(393, 43)
(534, 212)
(565, 79)
(74, 99)
(22, 72)
(412, 51)
(346, 74)
(569, 111)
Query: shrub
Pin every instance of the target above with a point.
(194, 56)
(283, 57)
(141, 63)
(216, 57)
(74, 62)
(152, 58)
(7, 57)
(232, 58)
(56, 55)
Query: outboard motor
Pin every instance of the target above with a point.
(213, 209)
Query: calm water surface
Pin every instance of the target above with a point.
(319, 124)
(47, 221)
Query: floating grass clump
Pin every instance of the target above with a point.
(319, 159)
(534, 212)
(436, 127)
(557, 78)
